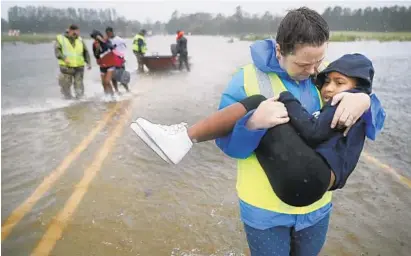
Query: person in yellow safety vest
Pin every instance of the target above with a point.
(72, 55)
(288, 64)
(271, 226)
(140, 48)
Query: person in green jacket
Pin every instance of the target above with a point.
(140, 48)
(72, 55)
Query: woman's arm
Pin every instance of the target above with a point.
(241, 142)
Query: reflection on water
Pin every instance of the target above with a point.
(137, 204)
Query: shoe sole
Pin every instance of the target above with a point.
(149, 142)
(147, 126)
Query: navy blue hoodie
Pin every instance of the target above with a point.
(341, 153)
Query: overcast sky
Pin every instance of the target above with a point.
(161, 10)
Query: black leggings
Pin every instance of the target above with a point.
(298, 175)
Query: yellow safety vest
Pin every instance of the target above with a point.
(253, 186)
(74, 54)
(323, 65)
(135, 44)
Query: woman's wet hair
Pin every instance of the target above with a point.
(301, 26)
(95, 33)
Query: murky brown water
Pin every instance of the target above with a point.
(137, 204)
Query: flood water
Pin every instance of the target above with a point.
(135, 203)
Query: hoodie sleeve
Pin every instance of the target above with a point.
(374, 118)
(314, 130)
(241, 142)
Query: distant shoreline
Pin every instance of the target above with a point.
(336, 36)
(29, 38)
(350, 36)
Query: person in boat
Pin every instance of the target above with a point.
(120, 45)
(72, 55)
(107, 58)
(140, 48)
(182, 50)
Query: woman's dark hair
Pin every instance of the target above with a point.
(301, 26)
(95, 33)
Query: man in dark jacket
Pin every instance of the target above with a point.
(182, 50)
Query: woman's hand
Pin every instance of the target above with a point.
(269, 113)
(352, 106)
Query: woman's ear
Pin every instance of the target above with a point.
(278, 51)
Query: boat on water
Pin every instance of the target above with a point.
(160, 62)
(155, 62)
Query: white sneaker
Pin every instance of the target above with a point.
(144, 137)
(172, 140)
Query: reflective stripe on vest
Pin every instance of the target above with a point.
(73, 54)
(135, 43)
(253, 186)
(322, 66)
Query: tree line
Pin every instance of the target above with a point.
(44, 19)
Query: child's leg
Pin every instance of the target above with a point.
(216, 125)
(297, 173)
(114, 83)
(222, 122)
(174, 141)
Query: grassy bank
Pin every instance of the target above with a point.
(32, 39)
(28, 38)
(336, 36)
(349, 36)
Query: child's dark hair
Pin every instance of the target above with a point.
(95, 33)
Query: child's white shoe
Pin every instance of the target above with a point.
(143, 135)
(171, 140)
